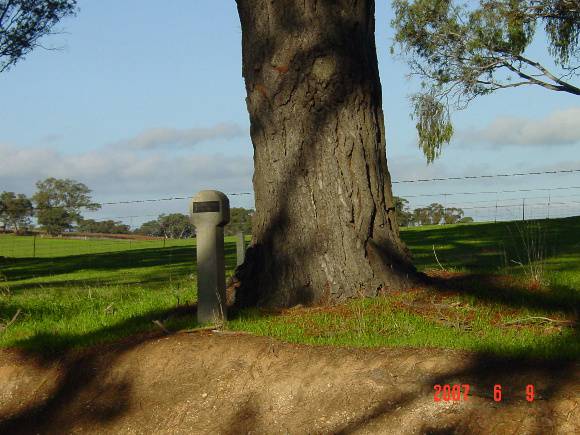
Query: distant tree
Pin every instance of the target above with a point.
(462, 50)
(15, 210)
(150, 228)
(421, 216)
(404, 215)
(433, 214)
(24, 22)
(452, 215)
(176, 226)
(179, 226)
(436, 212)
(240, 220)
(59, 203)
(54, 220)
(104, 227)
(466, 220)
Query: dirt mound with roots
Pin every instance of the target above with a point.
(227, 383)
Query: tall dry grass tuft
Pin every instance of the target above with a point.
(359, 314)
(220, 321)
(530, 250)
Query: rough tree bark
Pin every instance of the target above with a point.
(324, 228)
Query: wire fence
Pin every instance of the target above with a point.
(499, 209)
(43, 246)
(482, 204)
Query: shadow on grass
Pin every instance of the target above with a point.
(156, 265)
(487, 247)
(26, 268)
(509, 291)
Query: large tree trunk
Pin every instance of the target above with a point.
(325, 226)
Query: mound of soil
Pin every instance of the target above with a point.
(226, 383)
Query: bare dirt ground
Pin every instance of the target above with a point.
(229, 383)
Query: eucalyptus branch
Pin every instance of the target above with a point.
(7, 6)
(564, 85)
(559, 87)
(496, 86)
(23, 23)
(462, 51)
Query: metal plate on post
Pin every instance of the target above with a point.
(205, 207)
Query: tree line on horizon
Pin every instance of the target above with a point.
(57, 205)
(179, 226)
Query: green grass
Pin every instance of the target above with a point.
(81, 292)
(49, 247)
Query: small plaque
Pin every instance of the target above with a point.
(205, 207)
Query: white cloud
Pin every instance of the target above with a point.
(180, 138)
(561, 127)
(125, 174)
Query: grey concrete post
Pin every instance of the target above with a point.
(210, 211)
(240, 248)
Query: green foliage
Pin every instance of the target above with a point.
(562, 24)
(54, 220)
(462, 51)
(59, 202)
(433, 214)
(15, 210)
(404, 216)
(150, 228)
(433, 124)
(176, 226)
(421, 216)
(240, 220)
(436, 212)
(24, 22)
(105, 227)
(453, 215)
(170, 226)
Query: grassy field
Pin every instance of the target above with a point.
(507, 288)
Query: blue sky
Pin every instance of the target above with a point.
(146, 101)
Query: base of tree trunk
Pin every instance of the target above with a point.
(251, 286)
